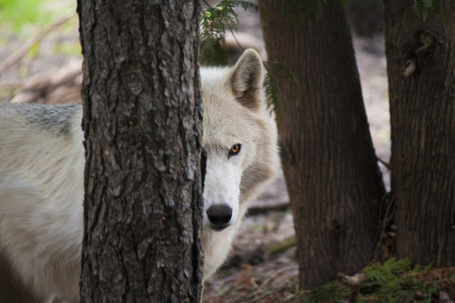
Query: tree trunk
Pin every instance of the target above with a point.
(421, 70)
(329, 162)
(143, 131)
(366, 17)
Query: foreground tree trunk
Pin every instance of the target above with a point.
(329, 163)
(421, 70)
(142, 122)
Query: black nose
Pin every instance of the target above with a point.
(219, 216)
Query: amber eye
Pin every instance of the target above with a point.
(235, 149)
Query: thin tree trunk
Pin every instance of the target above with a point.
(143, 126)
(329, 163)
(421, 70)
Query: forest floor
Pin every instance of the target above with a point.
(262, 266)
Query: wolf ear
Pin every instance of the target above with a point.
(246, 79)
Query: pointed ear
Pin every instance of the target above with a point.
(246, 79)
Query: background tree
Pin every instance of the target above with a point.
(366, 17)
(142, 122)
(421, 65)
(329, 163)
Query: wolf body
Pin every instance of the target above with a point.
(42, 174)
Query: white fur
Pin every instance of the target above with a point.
(42, 165)
(41, 193)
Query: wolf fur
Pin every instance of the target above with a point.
(42, 174)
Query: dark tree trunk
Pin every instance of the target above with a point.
(143, 131)
(421, 70)
(329, 163)
(366, 17)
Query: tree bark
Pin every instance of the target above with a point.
(421, 70)
(329, 163)
(143, 131)
(366, 17)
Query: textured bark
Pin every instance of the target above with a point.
(143, 126)
(421, 70)
(329, 163)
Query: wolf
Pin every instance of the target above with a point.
(42, 180)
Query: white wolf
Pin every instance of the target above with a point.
(41, 181)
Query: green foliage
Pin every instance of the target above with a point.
(23, 12)
(34, 50)
(213, 53)
(271, 92)
(215, 22)
(276, 69)
(67, 48)
(216, 19)
(20, 15)
(328, 293)
(425, 8)
(397, 281)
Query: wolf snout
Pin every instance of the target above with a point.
(219, 216)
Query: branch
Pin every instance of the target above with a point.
(257, 210)
(62, 86)
(387, 165)
(23, 50)
(281, 246)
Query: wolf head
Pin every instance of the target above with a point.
(239, 137)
